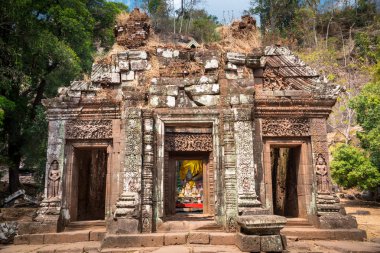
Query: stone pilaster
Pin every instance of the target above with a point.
(147, 174)
(243, 126)
(328, 209)
(230, 170)
(326, 200)
(50, 207)
(127, 211)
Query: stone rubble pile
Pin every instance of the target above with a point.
(135, 31)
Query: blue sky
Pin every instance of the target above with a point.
(223, 9)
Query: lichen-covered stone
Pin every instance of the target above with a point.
(212, 64)
(138, 64)
(236, 58)
(162, 101)
(207, 100)
(203, 89)
(137, 55)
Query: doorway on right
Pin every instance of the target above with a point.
(285, 174)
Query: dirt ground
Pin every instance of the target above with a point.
(367, 215)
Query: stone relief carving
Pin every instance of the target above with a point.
(89, 129)
(53, 180)
(322, 174)
(231, 224)
(245, 165)
(273, 81)
(146, 225)
(188, 142)
(286, 127)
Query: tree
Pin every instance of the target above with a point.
(44, 44)
(351, 167)
(367, 106)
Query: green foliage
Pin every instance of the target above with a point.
(5, 105)
(367, 106)
(44, 44)
(368, 47)
(203, 27)
(351, 167)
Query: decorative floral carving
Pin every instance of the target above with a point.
(188, 142)
(286, 127)
(89, 129)
(231, 224)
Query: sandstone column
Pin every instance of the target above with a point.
(229, 171)
(243, 128)
(147, 173)
(127, 213)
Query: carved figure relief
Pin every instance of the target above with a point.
(89, 129)
(146, 226)
(53, 180)
(286, 127)
(322, 174)
(188, 142)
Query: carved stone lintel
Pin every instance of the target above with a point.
(89, 129)
(188, 142)
(286, 127)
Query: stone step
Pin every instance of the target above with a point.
(58, 238)
(164, 239)
(306, 233)
(297, 222)
(186, 226)
(86, 225)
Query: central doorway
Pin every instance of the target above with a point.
(90, 169)
(189, 183)
(285, 163)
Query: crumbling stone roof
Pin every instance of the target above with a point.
(163, 75)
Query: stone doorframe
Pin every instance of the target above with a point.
(305, 186)
(180, 117)
(70, 196)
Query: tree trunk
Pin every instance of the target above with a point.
(14, 154)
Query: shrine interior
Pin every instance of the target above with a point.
(285, 168)
(91, 168)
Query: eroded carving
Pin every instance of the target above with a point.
(188, 142)
(53, 180)
(286, 127)
(89, 129)
(274, 81)
(322, 174)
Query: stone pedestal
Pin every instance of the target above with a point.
(261, 233)
(47, 220)
(125, 220)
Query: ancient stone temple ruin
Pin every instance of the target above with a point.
(163, 133)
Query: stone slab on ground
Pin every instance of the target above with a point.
(306, 233)
(47, 248)
(349, 247)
